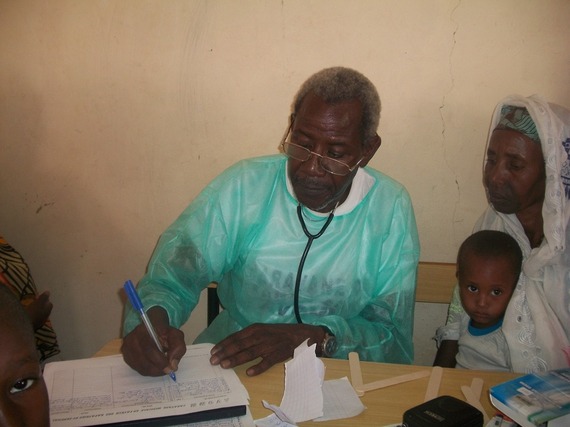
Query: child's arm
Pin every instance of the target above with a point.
(446, 353)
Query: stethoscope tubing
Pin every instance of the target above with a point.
(311, 238)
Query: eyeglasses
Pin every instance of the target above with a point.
(336, 167)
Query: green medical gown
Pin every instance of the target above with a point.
(243, 232)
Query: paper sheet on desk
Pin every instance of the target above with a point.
(105, 390)
(307, 397)
(340, 400)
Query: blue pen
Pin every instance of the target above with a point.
(137, 305)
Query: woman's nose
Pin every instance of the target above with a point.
(495, 174)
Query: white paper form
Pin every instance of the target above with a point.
(106, 390)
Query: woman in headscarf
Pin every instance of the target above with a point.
(527, 180)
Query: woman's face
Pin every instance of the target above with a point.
(514, 175)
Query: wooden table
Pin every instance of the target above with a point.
(384, 406)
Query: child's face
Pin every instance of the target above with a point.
(486, 285)
(23, 395)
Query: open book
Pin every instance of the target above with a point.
(535, 399)
(105, 390)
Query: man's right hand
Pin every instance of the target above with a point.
(140, 351)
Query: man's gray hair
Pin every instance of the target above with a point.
(339, 84)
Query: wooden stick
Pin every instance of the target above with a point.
(355, 372)
(473, 401)
(477, 387)
(393, 381)
(432, 390)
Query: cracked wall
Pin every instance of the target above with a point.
(116, 114)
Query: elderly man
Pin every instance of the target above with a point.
(307, 245)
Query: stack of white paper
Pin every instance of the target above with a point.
(106, 390)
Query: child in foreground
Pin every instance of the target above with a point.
(488, 267)
(23, 394)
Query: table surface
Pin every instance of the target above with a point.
(383, 406)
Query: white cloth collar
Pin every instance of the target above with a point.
(361, 185)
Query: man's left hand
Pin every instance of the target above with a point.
(273, 343)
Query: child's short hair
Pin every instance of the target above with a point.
(491, 243)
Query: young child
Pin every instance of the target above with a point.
(23, 394)
(488, 267)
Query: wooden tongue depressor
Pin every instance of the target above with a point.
(474, 401)
(432, 390)
(360, 388)
(355, 372)
(395, 380)
(477, 387)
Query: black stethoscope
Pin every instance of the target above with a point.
(311, 237)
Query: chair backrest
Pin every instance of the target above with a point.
(436, 281)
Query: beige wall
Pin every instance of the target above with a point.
(115, 114)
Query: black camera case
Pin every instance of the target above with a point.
(443, 411)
